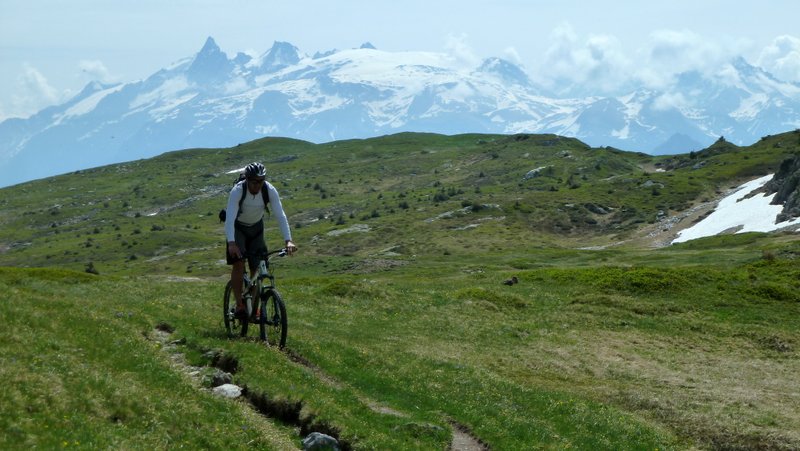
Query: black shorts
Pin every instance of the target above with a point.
(250, 239)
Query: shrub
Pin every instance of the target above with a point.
(91, 269)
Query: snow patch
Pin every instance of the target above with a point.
(167, 92)
(86, 105)
(753, 214)
(622, 133)
(751, 106)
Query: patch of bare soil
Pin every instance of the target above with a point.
(463, 440)
(666, 229)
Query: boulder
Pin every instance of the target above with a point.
(217, 378)
(320, 441)
(228, 391)
(533, 173)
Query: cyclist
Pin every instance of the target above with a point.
(244, 227)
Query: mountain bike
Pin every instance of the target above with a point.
(265, 306)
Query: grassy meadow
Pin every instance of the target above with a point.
(400, 328)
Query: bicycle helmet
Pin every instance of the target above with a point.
(255, 170)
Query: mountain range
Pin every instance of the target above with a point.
(213, 100)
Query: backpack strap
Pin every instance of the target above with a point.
(264, 195)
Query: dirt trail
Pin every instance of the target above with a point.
(463, 440)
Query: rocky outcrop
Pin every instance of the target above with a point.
(785, 186)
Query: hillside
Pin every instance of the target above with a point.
(405, 196)
(402, 334)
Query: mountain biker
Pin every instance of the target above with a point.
(244, 228)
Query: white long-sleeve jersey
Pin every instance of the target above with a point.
(253, 209)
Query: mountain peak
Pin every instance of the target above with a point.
(282, 54)
(319, 55)
(367, 45)
(209, 64)
(748, 70)
(210, 46)
(505, 70)
(242, 58)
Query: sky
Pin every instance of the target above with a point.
(50, 49)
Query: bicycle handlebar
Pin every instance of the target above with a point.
(281, 253)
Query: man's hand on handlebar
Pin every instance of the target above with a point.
(290, 247)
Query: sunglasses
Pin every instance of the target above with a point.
(255, 181)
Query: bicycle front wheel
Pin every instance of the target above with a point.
(274, 323)
(228, 311)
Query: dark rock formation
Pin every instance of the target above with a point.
(785, 186)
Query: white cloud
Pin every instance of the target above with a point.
(669, 101)
(599, 64)
(34, 83)
(512, 55)
(457, 47)
(596, 65)
(782, 58)
(94, 70)
(236, 86)
(669, 52)
(33, 92)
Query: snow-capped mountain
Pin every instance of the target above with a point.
(212, 100)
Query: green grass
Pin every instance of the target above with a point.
(401, 327)
(590, 356)
(79, 371)
(465, 194)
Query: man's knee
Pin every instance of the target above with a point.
(237, 267)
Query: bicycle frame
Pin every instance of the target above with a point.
(262, 271)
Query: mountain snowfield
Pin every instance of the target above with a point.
(212, 100)
(741, 212)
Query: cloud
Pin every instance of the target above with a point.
(782, 58)
(594, 65)
(512, 55)
(669, 101)
(599, 64)
(33, 92)
(236, 86)
(94, 70)
(668, 53)
(457, 47)
(32, 82)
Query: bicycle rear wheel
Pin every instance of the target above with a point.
(233, 325)
(273, 321)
